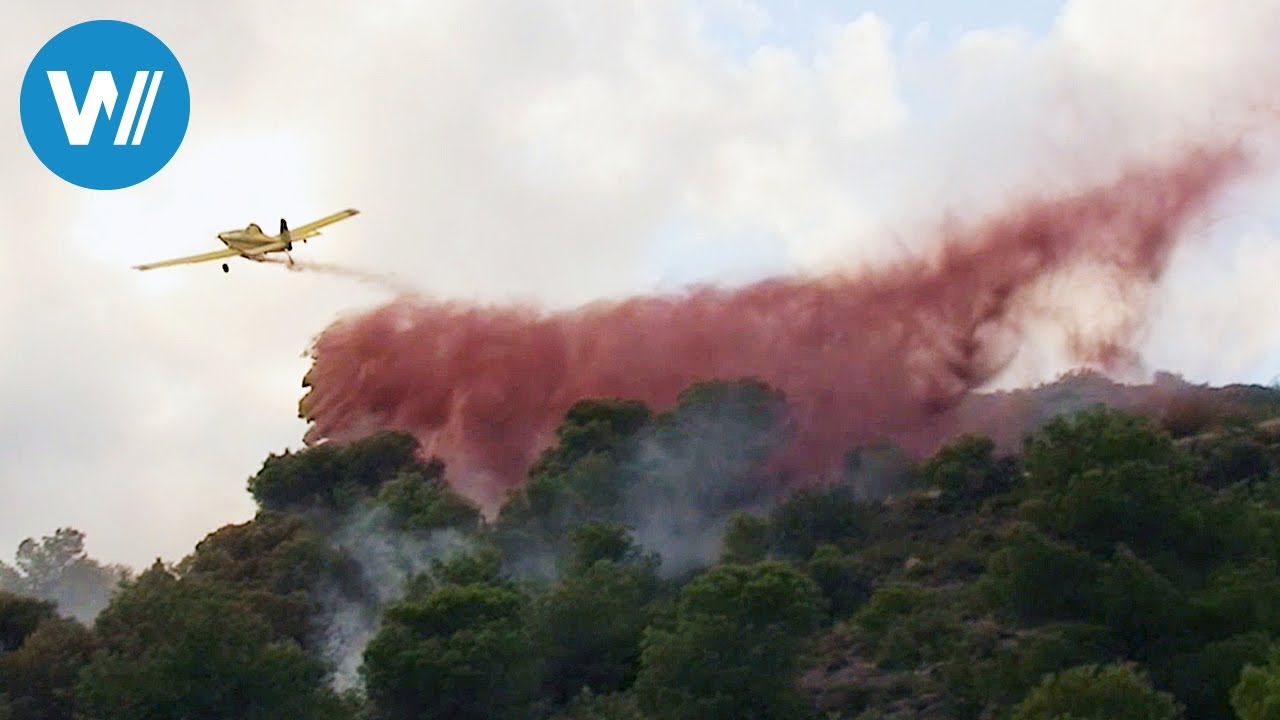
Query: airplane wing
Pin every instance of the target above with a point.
(302, 232)
(215, 255)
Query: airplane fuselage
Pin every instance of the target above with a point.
(251, 238)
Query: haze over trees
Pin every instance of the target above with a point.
(58, 569)
(653, 568)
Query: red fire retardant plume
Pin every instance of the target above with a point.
(861, 357)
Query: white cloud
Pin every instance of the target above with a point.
(508, 150)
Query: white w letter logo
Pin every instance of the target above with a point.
(102, 95)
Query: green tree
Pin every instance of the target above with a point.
(966, 472)
(1039, 579)
(56, 568)
(1097, 692)
(1100, 438)
(535, 521)
(615, 463)
(421, 499)
(585, 477)
(1202, 679)
(462, 652)
(905, 625)
(813, 516)
(590, 626)
(1154, 511)
(1235, 459)
(1257, 695)
(336, 476)
(1237, 527)
(1239, 599)
(844, 580)
(591, 428)
(734, 648)
(43, 563)
(989, 671)
(747, 539)
(19, 617)
(590, 623)
(592, 542)
(40, 676)
(274, 562)
(1143, 608)
(480, 564)
(709, 452)
(174, 649)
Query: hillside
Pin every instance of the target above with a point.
(1072, 560)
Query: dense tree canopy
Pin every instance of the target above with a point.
(1114, 692)
(733, 649)
(654, 568)
(39, 678)
(176, 648)
(336, 476)
(1257, 695)
(462, 651)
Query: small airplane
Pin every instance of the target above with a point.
(253, 244)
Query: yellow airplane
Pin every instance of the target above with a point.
(253, 244)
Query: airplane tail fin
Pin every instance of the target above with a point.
(284, 234)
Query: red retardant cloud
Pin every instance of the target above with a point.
(867, 357)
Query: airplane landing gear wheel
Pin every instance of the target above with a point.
(225, 269)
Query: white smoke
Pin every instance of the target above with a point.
(383, 281)
(387, 558)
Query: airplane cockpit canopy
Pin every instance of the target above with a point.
(254, 227)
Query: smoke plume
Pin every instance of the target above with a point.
(387, 559)
(862, 357)
(382, 280)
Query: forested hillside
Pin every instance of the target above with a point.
(1113, 564)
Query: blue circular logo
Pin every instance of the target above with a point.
(105, 105)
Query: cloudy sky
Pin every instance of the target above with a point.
(558, 152)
